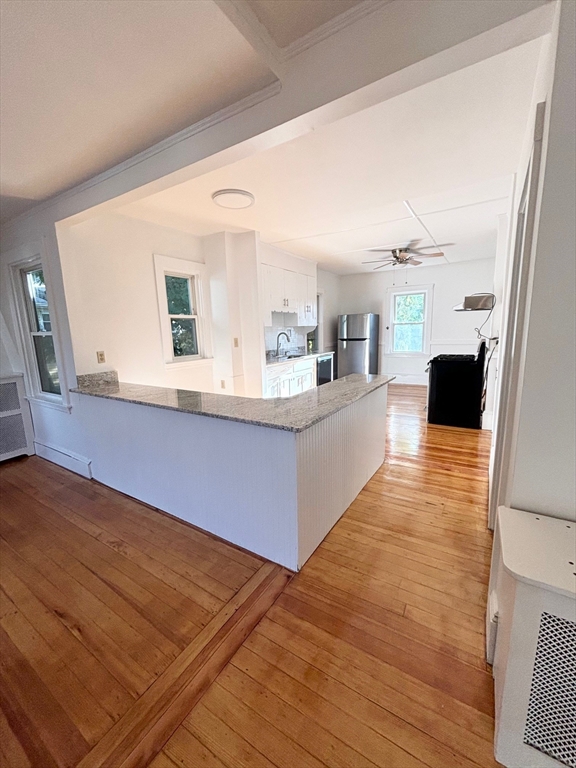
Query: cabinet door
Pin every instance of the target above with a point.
(274, 388)
(285, 390)
(311, 301)
(296, 385)
(307, 381)
(294, 288)
(274, 289)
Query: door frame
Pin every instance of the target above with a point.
(512, 354)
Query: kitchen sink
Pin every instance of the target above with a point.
(282, 358)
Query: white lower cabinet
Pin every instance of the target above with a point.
(291, 378)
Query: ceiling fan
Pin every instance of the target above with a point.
(402, 255)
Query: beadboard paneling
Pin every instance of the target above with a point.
(335, 459)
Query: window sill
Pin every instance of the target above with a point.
(407, 354)
(200, 362)
(55, 404)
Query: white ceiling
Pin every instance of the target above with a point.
(288, 20)
(449, 147)
(85, 85)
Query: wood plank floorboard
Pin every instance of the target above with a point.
(374, 653)
(114, 619)
(131, 639)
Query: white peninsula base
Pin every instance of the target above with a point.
(273, 491)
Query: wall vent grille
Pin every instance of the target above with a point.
(12, 434)
(9, 397)
(551, 720)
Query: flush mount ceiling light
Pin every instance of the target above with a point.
(233, 198)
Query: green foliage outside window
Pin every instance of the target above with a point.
(178, 295)
(409, 308)
(184, 339)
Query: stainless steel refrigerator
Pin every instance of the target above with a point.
(357, 344)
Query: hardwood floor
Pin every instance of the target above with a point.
(114, 619)
(130, 639)
(374, 653)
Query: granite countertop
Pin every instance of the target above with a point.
(294, 414)
(296, 358)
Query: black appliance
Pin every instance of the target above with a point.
(455, 389)
(324, 369)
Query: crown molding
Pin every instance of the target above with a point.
(250, 27)
(331, 27)
(245, 20)
(202, 125)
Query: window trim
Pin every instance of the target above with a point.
(22, 316)
(194, 271)
(392, 292)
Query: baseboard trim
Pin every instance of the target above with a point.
(487, 420)
(409, 378)
(78, 464)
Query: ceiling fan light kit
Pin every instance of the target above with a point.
(403, 255)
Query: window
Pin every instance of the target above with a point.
(40, 328)
(179, 295)
(409, 321)
(179, 288)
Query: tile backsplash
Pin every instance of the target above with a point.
(297, 341)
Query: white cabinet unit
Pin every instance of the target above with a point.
(16, 433)
(532, 619)
(290, 378)
(311, 301)
(284, 290)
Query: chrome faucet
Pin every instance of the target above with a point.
(282, 333)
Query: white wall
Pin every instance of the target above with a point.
(329, 287)
(108, 271)
(451, 333)
(233, 274)
(543, 466)
(10, 358)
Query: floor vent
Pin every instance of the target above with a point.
(551, 719)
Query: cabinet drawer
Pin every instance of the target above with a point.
(279, 371)
(304, 366)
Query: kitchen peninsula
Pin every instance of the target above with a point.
(270, 475)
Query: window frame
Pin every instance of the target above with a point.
(428, 291)
(22, 315)
(194, 272)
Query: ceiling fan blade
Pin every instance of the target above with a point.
(376, 261)
(430, 255)
(427, 247)
(385, 264)
(412, 244)
(414, 262)
(409, 246)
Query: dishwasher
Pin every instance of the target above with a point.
(324, 369)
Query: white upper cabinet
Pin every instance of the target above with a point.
(312, 301)
(285, 290)
(274, 288)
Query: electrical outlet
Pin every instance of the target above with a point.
(222, 384)
(100, 357)
(235, 341)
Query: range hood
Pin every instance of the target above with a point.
(475, 302)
